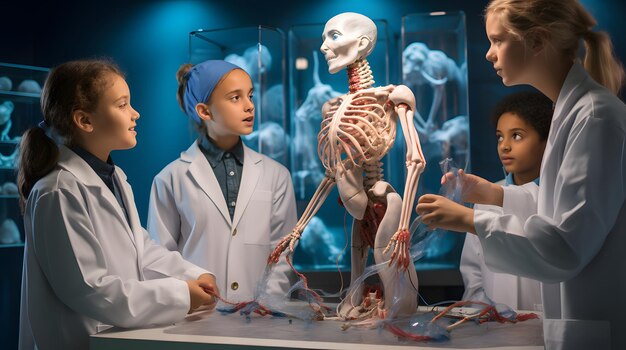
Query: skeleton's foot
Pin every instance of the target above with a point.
(371, 306)
(400, 244)
(289, 241)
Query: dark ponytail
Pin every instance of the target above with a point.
(182, 78)
(39, 155)
(69, 87)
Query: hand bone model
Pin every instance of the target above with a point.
(357, 131)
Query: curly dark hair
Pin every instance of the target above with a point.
(533, 107)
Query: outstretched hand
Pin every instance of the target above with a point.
(440, 212)
(474, 189)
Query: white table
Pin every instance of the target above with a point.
(211, 330)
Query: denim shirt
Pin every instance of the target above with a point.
(227, 167)
(104, 170)
(508, 180)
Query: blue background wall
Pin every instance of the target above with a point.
(149, 40)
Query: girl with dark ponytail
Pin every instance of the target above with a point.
(88, 263)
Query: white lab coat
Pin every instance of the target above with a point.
(86, 269)
(482, 284)
(578, 235)
(188, 214)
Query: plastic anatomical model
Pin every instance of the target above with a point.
(357, 131)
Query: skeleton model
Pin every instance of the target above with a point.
(357, 131)
(305, 155)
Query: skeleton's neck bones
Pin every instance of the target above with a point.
(360, 75)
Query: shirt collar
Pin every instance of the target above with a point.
(103, 169)
(214, 154)
(508, 180)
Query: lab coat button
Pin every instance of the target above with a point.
(234, 286)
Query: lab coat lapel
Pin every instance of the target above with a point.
(77, 166)
(249, 179)
(202, 173)
(129, 202)
(133, 216)
(569, 95)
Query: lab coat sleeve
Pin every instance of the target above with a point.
(160, 262)
(471, 271)
(588, 195)
(72, 259)
(284, 219)
(520, 201)
(471, 265)
(163, 218)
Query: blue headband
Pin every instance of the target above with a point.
(202, 79)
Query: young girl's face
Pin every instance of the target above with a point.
(231, 106)
(507, 53)
(519, 146)
(114, 119)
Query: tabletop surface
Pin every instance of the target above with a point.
(212, 328)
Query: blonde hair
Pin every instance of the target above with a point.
(566, 22)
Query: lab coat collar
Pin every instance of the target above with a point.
(73, 163)
(569, 95)
(202, 173)
(76, 165)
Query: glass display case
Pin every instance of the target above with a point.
(434, 66)
(20, 88)
(321, 247)
(260, 51)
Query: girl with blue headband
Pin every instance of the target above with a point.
(222, 205)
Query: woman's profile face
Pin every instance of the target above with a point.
(507, 53)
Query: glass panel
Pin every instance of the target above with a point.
(20, 89)
(434, 67)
